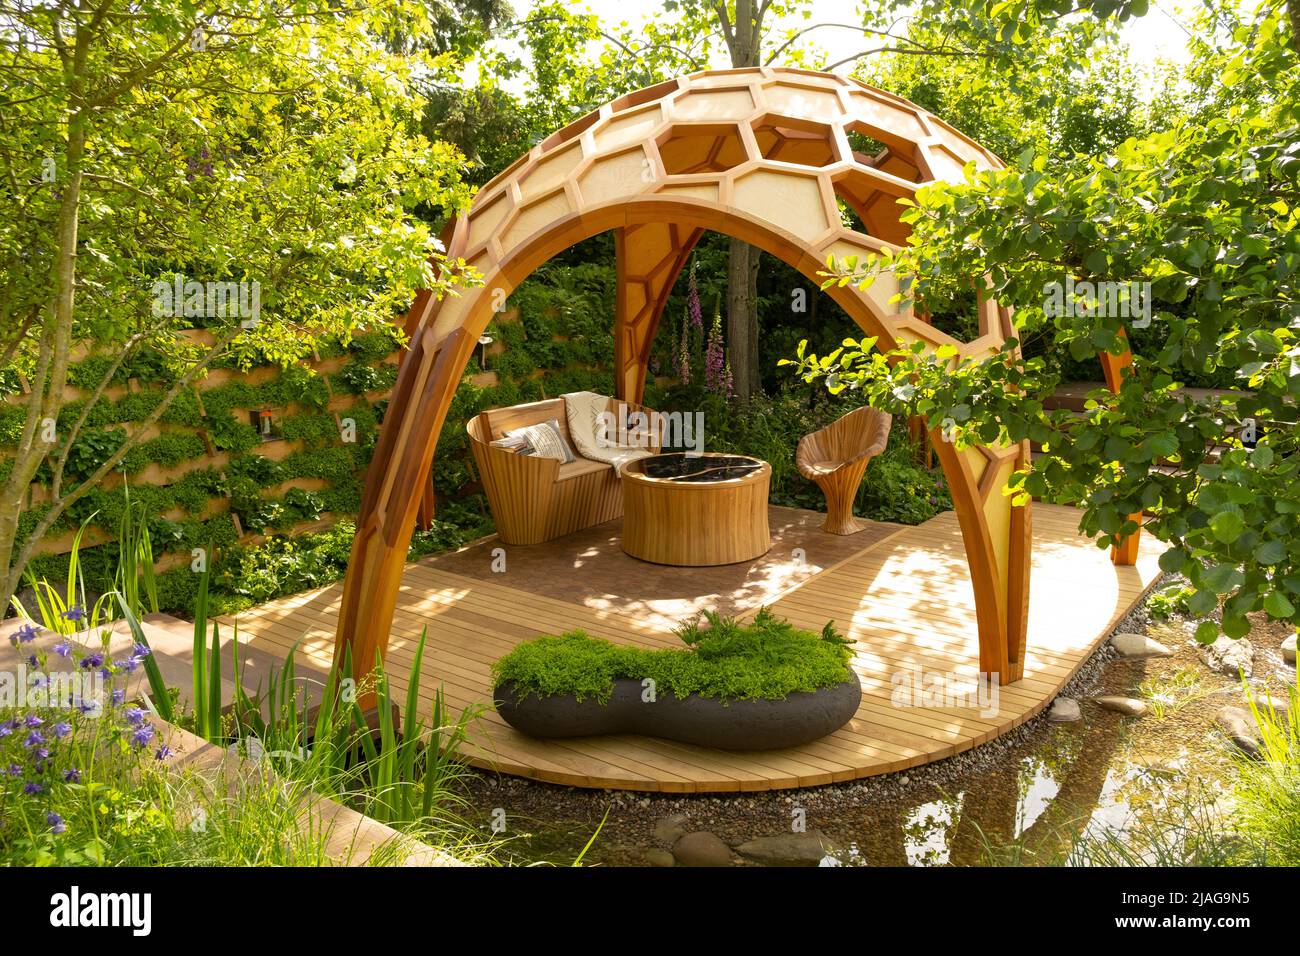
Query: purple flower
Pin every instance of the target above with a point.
(63, 648)
(14, 770)
(134, 716)
(717, 371)
(32, 661)
(693, 309)
(142, 736)
(163, 752)
(74, 613)
(130, 664)
(32, 788)
(72, 775)
(141, 651)
(118, 696)
(92, 660)
(25, 634)
(33, 721)
(34, 739)
(61, 729)
(88, 706)
(56, 822)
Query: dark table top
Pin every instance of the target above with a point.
(681, 466)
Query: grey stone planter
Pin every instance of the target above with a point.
(704, 721)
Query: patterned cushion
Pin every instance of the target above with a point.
(544, 440)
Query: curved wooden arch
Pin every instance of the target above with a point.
(760, 154)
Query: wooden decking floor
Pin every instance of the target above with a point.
(903, 594)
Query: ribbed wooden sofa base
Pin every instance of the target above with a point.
(537, 499)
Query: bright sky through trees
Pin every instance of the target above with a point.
(1160, 35)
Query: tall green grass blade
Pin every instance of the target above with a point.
(198, 661)
(158, 692)
(214, 688)
(591, 842)
(74, 565)
(146, 564)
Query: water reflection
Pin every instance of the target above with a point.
(1027, 806)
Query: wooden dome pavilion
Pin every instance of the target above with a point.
(764, 155)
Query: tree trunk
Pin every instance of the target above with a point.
(744, 43)
(742, 318)
(46, 398)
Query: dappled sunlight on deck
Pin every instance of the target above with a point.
(902, 594)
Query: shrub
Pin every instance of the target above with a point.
(357, 379)
(768, 658)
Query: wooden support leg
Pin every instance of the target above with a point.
(1126, 552)
(998, 549)
(840, 488)
(424, 517)
(648, 259)
(1113, 366)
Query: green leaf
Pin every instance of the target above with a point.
(1202, 603)
(1173, 561)
(1221, 578)
(1227, 526)
(1236, 626)
(1270, 552)
(1277, 605)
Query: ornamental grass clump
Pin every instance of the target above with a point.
(767, 658)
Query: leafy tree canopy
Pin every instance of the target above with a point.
(1205, 212)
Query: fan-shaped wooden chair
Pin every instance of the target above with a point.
(836, 456)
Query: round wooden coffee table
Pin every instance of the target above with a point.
(696, 510)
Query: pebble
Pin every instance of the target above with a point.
(1288, 649)
(701, 848)
(1136, 646)
(789, 849)
(1064, 710)
(1238, 724)
(669, 829)
(1128, 706)
(658, 857)
(1228, 657)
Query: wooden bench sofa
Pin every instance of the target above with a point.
(537, 499)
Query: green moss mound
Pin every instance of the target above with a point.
(768, 658)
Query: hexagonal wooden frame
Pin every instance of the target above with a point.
(605, 172)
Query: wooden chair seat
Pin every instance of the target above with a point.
(836, 456)
(581, 466)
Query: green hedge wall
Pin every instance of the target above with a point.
(558, 337)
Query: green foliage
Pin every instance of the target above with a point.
(1267, 789)
(357, 379)
(283, 565)
(1205, 212)
(897, 488)
(302, 127)
(167, 451)
(767, 658)
(1169, 600)
(313, 430)
(101, 791)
